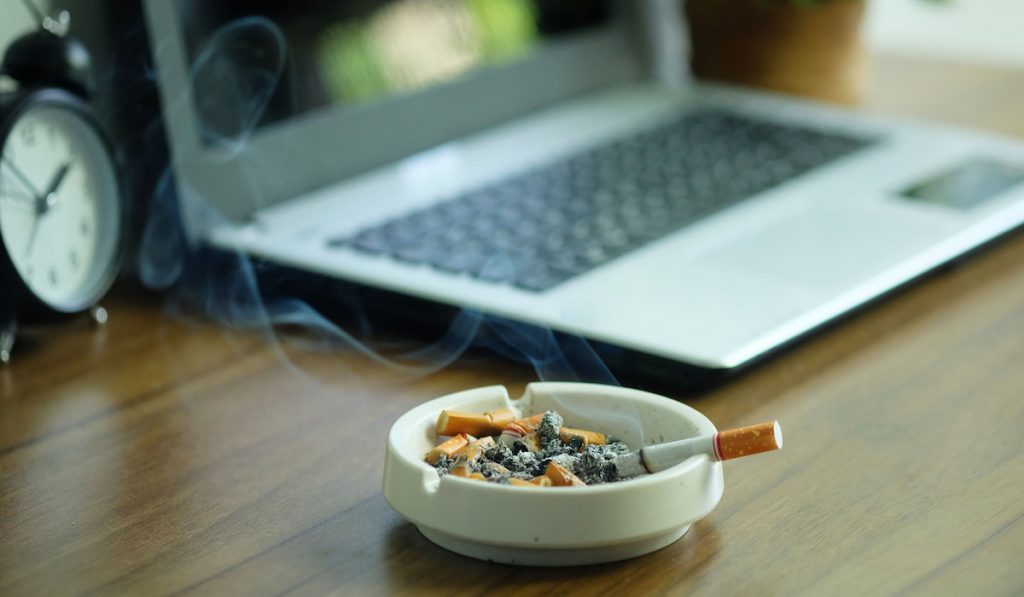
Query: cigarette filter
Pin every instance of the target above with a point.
(532, 441)
(470, 454)
(589, 437)
(448, 447)
(724, 445)
(451, 422)
(562, 477)
(519, 429)
(540, 481)
(493, 468)
(745, 441)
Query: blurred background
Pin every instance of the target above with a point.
(983, 31)
(961, 31)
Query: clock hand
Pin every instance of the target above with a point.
(55, 183)
(46, 201)
(31, 188)
(32, 234)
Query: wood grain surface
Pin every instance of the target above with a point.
(162, 454)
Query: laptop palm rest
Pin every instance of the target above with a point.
(823, 249)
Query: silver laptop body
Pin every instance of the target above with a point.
(883, 202)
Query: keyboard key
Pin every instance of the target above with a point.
(541, 228)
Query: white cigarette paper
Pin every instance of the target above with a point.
(724, 445)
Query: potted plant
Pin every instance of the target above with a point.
(813, 48)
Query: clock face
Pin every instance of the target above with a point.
(60, 212)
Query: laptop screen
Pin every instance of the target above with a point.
(265, 101)
(310, 55)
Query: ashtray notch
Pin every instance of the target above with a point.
(563, 525)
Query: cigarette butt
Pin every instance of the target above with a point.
(527, 425)
(476, 477)
(519, 428)
(589, 437)
(493, 468)
(469, 454)
(540, 481)
(448, 447)
(451, 422)
(734, 443)
(532, 441)
(509, 436)
(475, 448)
(562, 477)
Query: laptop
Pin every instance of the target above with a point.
(551, 163)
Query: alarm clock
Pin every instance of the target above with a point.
(62, 215)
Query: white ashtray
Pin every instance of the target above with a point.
(555, 526)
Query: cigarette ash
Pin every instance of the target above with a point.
(523, 459)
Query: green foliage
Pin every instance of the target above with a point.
(507, 28)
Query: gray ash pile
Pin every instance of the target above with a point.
(537, 450)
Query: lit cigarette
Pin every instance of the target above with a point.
(448, 448)
(589, 437)
(562, 477)
(451, 422)
(469, 454)
(724, 445)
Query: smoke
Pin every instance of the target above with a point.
(240, 69)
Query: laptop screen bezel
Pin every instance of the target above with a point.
(322, 147)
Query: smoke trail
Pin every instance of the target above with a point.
(238, 71)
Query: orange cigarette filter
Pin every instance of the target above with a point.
(589, 437)
(745, 441)
(540, 481)
(525, 426)
(451, 422)
(562, 477)
(470, 454)
(448, 447)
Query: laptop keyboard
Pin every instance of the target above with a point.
(545, 226)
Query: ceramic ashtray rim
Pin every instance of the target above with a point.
(611, 497)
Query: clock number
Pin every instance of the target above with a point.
(53, 277)
(73, 259)
(83, 227)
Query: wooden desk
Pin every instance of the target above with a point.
(160, 455)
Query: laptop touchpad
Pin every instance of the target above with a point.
(824, 248)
